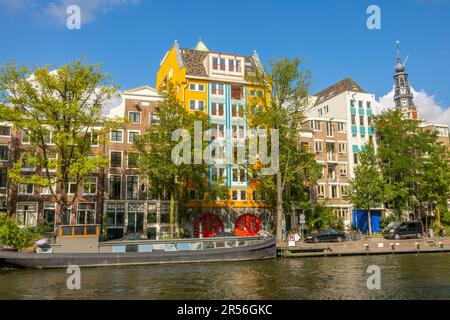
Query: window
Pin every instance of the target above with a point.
(321, 191)
(315, 125)
(352, 103)
(368, 105)
(135, 117)
(4, 153)
(360, 104)
(237, 92)
(25, 188)
(330, 128)
(86, 213)
(355, 158)
(218, 173)
(353, 120)
(334, 191)
(116, 214)
(325, 109)
(117, 136)
(239, 195)
(115, 187)
(320, 112)
(344, 190)
(72, 187)
(343, 169)
(304, 147)
(369, 120)
(342, 148)
(234, 65)
(27, 214)
(5, 131)
(25, 136)
(92, 137)
(239, 176)
(154, 119)
(3, 177)
(218, 64)
(197, 87)
(46, 189)
(361, 121)
(49, 213)
(318, 147)
(237, 111)
(132, 187)
(219, 130)
(238, 132)
(217, 109)
(116, 159)
(342, 127)
(90, 185)
(66, 217)
(133, 159)
(217, 89)
(132, 136)
(152, 214)
(196, 105)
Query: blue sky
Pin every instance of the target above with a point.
(131, 36)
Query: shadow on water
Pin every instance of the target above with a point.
(424, 276)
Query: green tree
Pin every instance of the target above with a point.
(60, 113)
(281, 105)
(435, 180)
(367, 190)
(401, 147)
(157, 147)
(13, 236)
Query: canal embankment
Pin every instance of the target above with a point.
(373, 246)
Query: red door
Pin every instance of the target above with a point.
(208, 224)
(247, 225)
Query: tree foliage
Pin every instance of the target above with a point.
(60, 112)
(281, 105)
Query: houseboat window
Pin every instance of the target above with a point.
(220, 244)
(91, 231)
(208, 245)
(66, 231)
(78, 231)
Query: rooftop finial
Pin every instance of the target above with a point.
(399, 66)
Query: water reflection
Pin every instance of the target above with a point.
(425, 276)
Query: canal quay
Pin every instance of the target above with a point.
(373, 246)
(405, 276)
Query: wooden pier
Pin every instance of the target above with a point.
(374, 246)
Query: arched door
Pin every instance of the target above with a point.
(247, 225)
(208, 225)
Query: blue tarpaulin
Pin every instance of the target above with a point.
(360, 220)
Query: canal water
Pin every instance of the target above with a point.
(412, 276)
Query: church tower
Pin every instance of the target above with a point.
(403, 96)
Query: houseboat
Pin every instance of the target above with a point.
(79, 245)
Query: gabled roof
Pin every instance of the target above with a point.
(142, 91)
(348, 84)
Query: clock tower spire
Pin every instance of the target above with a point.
(403, 96)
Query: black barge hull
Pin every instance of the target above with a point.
(264, 250)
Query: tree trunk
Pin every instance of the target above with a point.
(171, 215)
(279, 229)
(369, 220)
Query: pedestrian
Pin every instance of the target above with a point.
(441, 231)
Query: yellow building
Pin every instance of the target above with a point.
(215, 83)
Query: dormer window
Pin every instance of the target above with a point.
(234, 65)
(218, 64)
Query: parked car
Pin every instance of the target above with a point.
(326, 235)
(403, 230)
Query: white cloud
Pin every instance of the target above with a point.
(427, 106)
(55, 10)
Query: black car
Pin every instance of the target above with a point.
(326, 235)
(403, 230)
